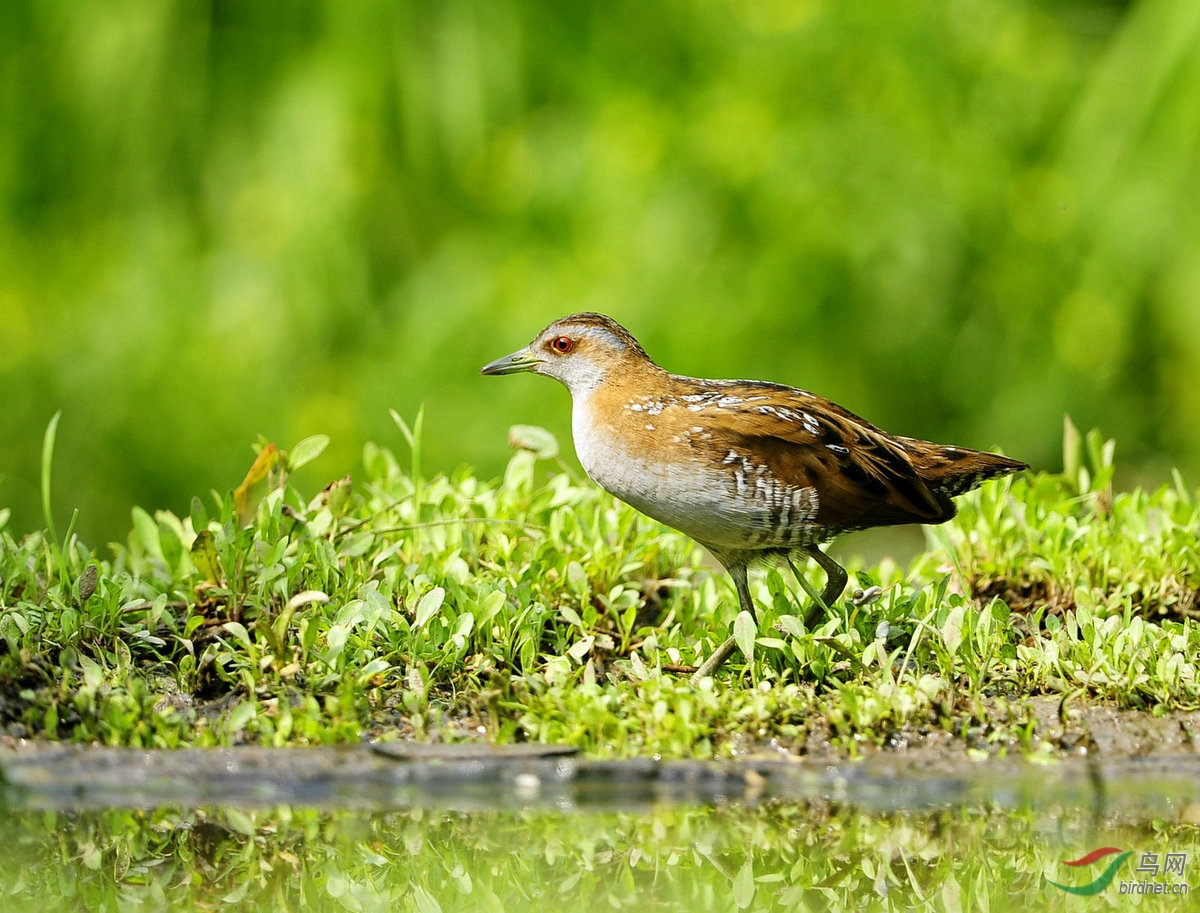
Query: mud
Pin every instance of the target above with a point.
(480, 776)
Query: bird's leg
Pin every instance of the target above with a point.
(835, 582)
(835, 575)
(714, 662)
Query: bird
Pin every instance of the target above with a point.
(752, 470)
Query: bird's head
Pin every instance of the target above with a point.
(581, 351)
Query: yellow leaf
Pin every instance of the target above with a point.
(247, 495)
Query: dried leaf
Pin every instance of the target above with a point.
(247, 495)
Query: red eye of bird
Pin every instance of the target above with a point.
(562, 344)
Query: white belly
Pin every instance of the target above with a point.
(720, 506)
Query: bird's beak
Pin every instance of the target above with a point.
(524, 360)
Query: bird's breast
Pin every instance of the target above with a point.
(668, 471)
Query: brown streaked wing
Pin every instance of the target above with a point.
(862, 476)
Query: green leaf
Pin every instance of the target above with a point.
(412, 436)
(371, 669)
(278, 628)
(577, 577)
(336, 638)
(306, 451)
(426, 902)
(537, 440)
(743, 885)
(337, 495)
(1072, 449)
(239, 632)
(47, 464)
(792, 625)
(572, 616)
(50, 719)
(952, 629)
(238, 894)
(199, 514)
(92, 857)
(241, 715)
(239, 821)
(462, 630)
(93, 672)
(147, 532)
(429, 605)
(169, 543)
(745, 630)
(581, 648)
(204, 556)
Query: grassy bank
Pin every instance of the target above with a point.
(535, 607)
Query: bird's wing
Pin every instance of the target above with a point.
(862, 475)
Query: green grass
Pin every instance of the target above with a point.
(536, 607)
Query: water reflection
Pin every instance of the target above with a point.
(542, 846)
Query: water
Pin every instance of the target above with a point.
(355, 829)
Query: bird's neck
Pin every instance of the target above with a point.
(611, 378)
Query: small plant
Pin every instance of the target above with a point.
(536, 607)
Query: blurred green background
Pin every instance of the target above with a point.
(219, 219)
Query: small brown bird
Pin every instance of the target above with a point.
(749, 469)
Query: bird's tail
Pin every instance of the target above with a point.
(953, 471)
